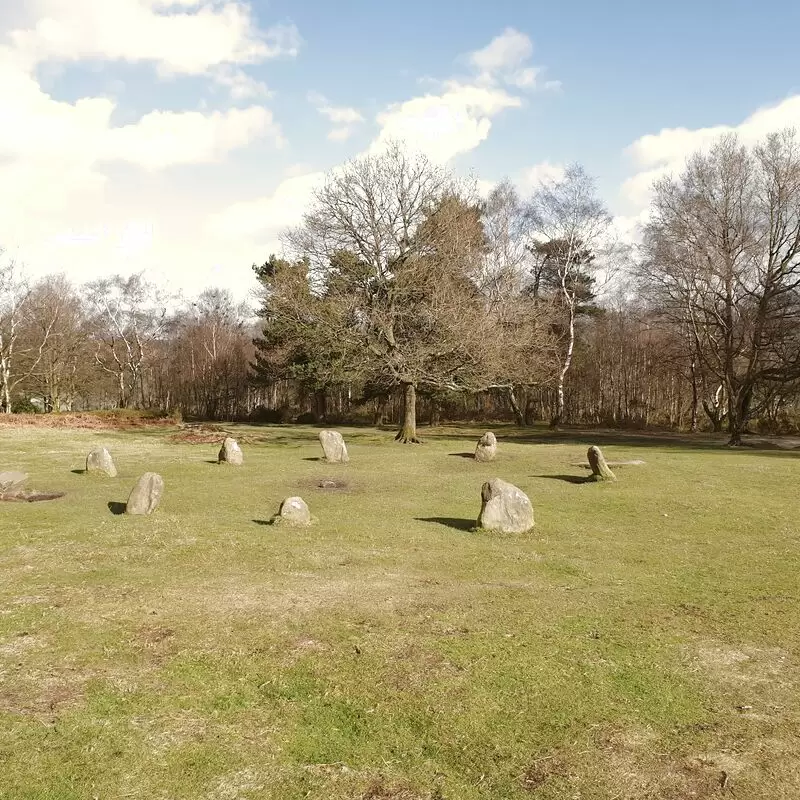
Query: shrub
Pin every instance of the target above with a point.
(23, 406)
(270, 416)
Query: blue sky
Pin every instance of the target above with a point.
(180, 136)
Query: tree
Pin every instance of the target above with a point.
(393, 247)
(505, 282)
(569, 227)
(55, 342)
(294, 342)
(130, 315)
(721, 257)
(204, 365)
(25, 329)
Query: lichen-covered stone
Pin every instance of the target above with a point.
(294, 511)
(505, 508)
(600, 469)
(231, 453)
(487, 447)
(99, 462)
(146, 494)
(333, 447)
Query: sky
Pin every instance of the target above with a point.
(180, 137)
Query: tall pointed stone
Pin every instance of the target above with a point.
(145, 495)
(333, 447)
(600, 470)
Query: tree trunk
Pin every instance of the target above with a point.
(519, 417)
(321, 404)
(408, 432)
(379, 417)
(693, 424)
(738, 415)
(562, 374)
(436, 413)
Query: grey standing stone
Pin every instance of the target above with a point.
(487, 447)
(294, 511)
(600, 469)
(146, 495)
(11, 481)
(230, 453)
(334, 447)
(505, 508)
(99, 462)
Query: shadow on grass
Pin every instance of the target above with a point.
(212, 461)
(314, 458)
(450, 522)
(263, 521)
(78, 471)
(583, 437)
(566, 478)
(117, 508)
(463, 455)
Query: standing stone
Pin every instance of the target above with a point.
(11, 481)
(600, 470)
(230, 453)
(146, 495)
(487, 447)
(294, 511)
(505, 508)
(99, 462)
(333, 446)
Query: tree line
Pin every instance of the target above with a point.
(402, 293)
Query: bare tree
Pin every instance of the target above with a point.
(569, 230)
(130, 315)
(505, 281)
(206, 360)
(25, 330)
(55, 341)
(722, 257)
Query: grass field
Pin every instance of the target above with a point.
(643, 641)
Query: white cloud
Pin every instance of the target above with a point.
(656, 155)
(344, 119)
(525, 78)
(543, 172)
(262, 219)
(445, 125)
(163, 138)
(341, 134)
(505, 52)
(505, 60)
(240, 85)
(59, 206)
(458, 117)
(179, 38)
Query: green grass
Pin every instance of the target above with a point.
(641, 642)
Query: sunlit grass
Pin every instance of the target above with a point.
(641, 642)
